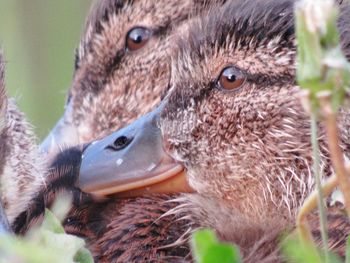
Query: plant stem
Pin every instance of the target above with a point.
(317, 172)
(335, 151)
(311, 203)
(302, 225)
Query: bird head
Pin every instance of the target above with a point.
(122, 67)
(232, 122)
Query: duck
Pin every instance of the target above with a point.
(121, 67)
(233, 123)
(217, 123)
(22, 171)
(121, 72)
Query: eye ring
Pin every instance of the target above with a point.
(137, 38)
(230, 79)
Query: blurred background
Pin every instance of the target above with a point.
(38, 38)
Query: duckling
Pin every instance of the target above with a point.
(21, 169)
(122, 234)
(121, 67)
(122, 70)
(232, 121)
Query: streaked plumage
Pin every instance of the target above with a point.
(113, 85)
(247, 153)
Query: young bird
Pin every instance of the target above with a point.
(122, 66)
(233, 121)
(122, 70)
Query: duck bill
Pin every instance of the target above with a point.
(131, 162)
(63, 135)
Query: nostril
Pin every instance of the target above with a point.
(120, 143)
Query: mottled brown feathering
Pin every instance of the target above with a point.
(250, 146)
(111, 86)
(138, 233)
(247, 151)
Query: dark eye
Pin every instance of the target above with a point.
(137, 38)
(230, 78)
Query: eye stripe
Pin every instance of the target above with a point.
(265, 80)
(162, 30)
(115, 62)
(204, 90)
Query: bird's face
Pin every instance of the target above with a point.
(232, 117)
(236, 122)
(235, 119)
(122, 67)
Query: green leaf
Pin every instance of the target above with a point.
(297, 252)
(222, 253)
(207, 249)
(201, 241)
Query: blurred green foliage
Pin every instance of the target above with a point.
(39, 38)
(295, 251)
(46, 243)
(207, 249)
